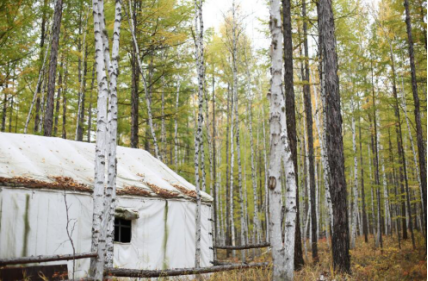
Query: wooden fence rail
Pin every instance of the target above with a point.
(37, 259)
(242, 247)
(136, 273)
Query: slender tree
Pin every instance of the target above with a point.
(340, 242)
(56, 27)
(198, 134)
(419, 135)
(291, 118)
(309, 126)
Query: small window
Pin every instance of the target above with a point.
(122, 230)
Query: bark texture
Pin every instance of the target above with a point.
(280, 153)
(340, 241)
(290, 108)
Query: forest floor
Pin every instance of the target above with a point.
(367, 263)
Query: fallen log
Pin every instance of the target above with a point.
(242, 247)
(37, 259)
(137, 273)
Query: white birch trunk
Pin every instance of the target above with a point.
(97, 265)
(42, 102)
(372, 196)
(39, 81)
(282, 253)
(177, 101)
(266, 201)
(355, 186)
(404, 106)
(324, 157)
(305, 230)
(317, 201)
(232, 160)
(256, 230)
(79, 102)
(110, 191)
(163, 129)
(198, 134)
(378, 148)
(145, 84)
(236, 121)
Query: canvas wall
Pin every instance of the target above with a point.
(33, 222)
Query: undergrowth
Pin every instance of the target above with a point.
(367, 263)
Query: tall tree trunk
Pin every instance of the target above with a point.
(363, 197)
(58, 96)
(97, 264)
(375, 149)
(324, 159)
(309, 125)
(419, 133)
(110, 191)
(134, 86)
(64, 101)
(282, 253)
(396, 201)
(370, 147)
(177, 100)
(409, 131)
(163, 129)
(11, 114)
(236, 122)
(36, 94)
(39, 82)
(198, 135)
(232, 162)
(82, 74)
(56, 26)
(214, 175)
(228, 201)
(401, 154)
(340, 242)
(4, 112)
(90, 101)
(291, 119)
(256, 227)
(147, 87)
(265, 161)
(355, 185)
(323, 137)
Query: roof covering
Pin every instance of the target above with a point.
(48, 162)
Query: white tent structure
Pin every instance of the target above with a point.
(39, 174)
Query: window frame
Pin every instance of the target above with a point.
(119, 225)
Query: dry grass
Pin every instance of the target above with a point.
(368, 263)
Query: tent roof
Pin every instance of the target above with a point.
(47, 162)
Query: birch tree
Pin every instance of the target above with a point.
(96, 268)
(146, 84)
(199, 56)
(324, 159)
(105, 199)
(355, 185)
(280, 153)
